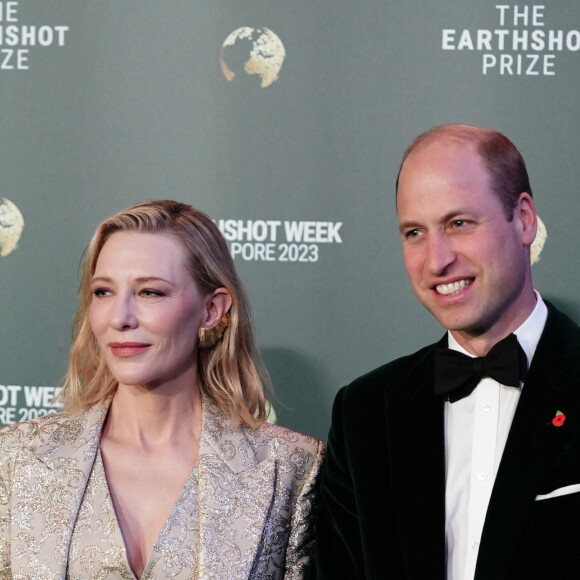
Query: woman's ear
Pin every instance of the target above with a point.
(217, 307)
(218, 304)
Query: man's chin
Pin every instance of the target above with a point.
(454, 320)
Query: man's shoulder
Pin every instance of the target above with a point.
(393, 374)
(559, 321)
(559, 345)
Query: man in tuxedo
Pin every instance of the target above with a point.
(462, 460)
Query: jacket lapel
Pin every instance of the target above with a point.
(533, 443)
(415, 436)
(52, 481)
(235, 495)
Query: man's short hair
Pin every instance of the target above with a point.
(503, 162)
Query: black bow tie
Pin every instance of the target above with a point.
(456, 374)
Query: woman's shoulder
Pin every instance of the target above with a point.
(298, 457)
(285, 442)
(279, 440)
(26, 432)
(54, 429)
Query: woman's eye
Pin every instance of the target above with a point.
(100, 292)
(149, 293)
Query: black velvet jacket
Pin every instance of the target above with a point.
(381, 507)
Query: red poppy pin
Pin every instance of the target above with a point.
(559, 419)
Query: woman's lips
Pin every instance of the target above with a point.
(127, 349)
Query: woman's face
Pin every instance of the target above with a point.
(146, 310)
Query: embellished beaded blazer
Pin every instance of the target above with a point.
(256, 496)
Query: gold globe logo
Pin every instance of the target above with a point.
(11, 225)
(252, 51)
(539, 241)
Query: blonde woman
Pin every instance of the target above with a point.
(161, 465)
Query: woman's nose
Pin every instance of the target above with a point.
(123, 314)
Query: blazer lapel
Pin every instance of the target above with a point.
(235, 495)
(533, 443)
(416, 447)
(52, 483)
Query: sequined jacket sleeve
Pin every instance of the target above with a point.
(301, 541)
(44, 464)
(6, 462)
(276, 478)
(298, 459)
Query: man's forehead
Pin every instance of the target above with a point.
(445, 159)
(444, 145)
(444, 177)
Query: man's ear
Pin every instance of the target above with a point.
(218, 304)
(527, 219)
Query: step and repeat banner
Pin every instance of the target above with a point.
(286, 123)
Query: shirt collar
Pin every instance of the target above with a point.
(528, 333)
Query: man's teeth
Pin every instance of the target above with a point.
(452, 288)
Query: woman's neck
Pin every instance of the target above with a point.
(154, 418)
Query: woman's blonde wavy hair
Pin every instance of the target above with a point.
(231, 371)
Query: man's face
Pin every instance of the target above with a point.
(467, 264)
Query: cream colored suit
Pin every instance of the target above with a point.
(256, 496)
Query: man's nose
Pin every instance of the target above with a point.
(440, 254)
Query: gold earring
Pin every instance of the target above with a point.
(208, 337)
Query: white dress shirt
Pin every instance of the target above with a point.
(476, 430)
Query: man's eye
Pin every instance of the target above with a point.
(458, 223)
(413, 234)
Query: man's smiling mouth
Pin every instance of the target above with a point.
(452, 288)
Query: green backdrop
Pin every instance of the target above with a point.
(285, 122)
